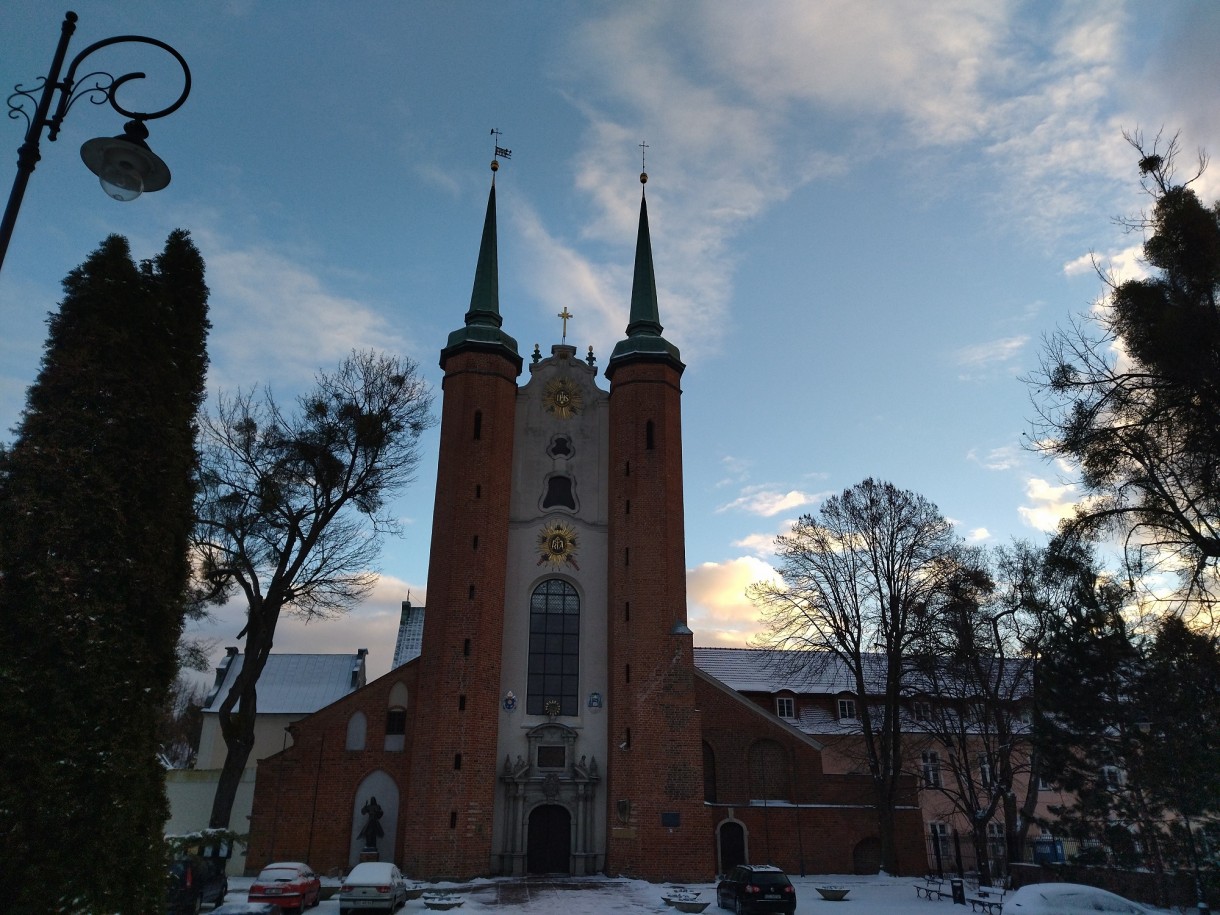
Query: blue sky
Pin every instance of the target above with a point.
(865, 217)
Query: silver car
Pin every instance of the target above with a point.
(372, 885)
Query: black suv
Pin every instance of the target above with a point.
(195, 882)
(751, 888)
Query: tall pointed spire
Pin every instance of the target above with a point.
(482, 330)
(485, 297)
(644, 340)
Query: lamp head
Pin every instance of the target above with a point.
(124, 165)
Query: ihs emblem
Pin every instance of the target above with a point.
(562, 397)
(557, 545)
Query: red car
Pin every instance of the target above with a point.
(288, 884)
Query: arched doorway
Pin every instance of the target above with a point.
(549, 844)
(732, 837)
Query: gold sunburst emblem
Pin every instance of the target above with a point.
(557, 545)
(562, 397)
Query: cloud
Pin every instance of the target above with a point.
(978, 535)
(992, 353)
(276, 321)
(1051, 504)
(759, 545)
(372, 625)
(1006, 457)
(718, 610)
(759, 500)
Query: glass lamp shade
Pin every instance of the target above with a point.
(124, 165)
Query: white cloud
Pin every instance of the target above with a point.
(978, 535)
(1006, 457)
(759, 545)
(991, 353)
(760, 500)
(274, 320)
(1051, 504)
(718, 610)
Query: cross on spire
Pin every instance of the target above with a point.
(643, 152)
(565, 314)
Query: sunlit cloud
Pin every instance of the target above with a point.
(768, 502)
(373, 624)
(760, 545)
(718, 610)
(978, 535)
(1051, 504)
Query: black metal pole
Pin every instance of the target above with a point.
(27, 154)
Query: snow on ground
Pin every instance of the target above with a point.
(875, 895)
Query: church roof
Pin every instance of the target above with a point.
(293, 684)
(483, 320)
(644, 340)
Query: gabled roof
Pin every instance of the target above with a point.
(293, 684)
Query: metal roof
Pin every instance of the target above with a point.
(294, 684)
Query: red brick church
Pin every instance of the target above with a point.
(555, 720)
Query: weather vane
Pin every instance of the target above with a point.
(500, 153)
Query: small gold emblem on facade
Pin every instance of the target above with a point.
(557, 545)
(562, 397)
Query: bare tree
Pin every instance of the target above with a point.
(859, 580)
(977, 672)
(290, 509)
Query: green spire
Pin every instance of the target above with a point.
(482, 330)
(644, 340)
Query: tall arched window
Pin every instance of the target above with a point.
(554, 664)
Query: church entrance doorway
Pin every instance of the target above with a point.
(550, 840)
(732, 846)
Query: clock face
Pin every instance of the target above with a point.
(562, 397)
(557, 545)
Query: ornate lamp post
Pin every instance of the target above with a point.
(124, 164)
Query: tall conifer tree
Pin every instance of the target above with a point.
(95, 514)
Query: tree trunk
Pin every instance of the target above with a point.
(230, 781)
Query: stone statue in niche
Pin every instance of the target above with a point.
(372, 830)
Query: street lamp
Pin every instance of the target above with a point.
(124, 164)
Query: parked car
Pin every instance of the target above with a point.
(288, 884)
(248, 908)
(194, 882)
(372, 885)
(1068, 899)
(750, 888)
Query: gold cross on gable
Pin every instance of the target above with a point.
(565, 314)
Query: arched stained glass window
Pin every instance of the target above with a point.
(554, 662)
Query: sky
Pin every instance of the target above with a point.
(865, 220)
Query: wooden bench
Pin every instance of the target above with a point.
(990, 902)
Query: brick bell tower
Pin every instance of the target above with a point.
(659, 828)
(453, 758)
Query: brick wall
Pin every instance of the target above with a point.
(452, 790)
(305, 796)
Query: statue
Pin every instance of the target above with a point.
(372, 830)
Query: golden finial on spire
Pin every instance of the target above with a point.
(643, 170)
(500, 153)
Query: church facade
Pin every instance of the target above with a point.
(554, 720)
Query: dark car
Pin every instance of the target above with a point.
(195, 882)
(750, 888)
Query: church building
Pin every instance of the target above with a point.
(554, 720)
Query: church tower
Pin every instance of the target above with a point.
(453, 750)
(659, 827)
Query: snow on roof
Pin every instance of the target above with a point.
(770, 671)
(294, 684)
